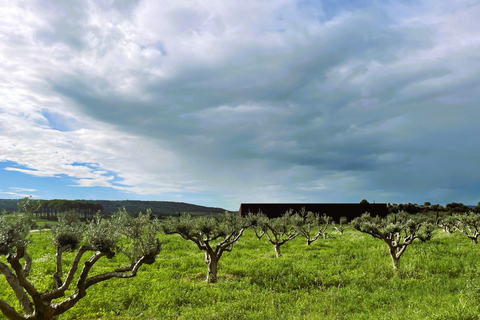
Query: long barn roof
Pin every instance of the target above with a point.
(334, 210)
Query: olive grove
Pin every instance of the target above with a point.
(133, 237)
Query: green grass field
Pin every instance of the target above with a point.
(347, 276)
(39, 221)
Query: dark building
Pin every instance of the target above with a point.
(334, 210)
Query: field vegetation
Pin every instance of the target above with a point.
(345, 276)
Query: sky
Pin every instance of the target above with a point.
(220, 102)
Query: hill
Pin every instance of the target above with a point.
(9, 205)
(135, 206)
(157, 207)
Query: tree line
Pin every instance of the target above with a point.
(49, 209)
(414, 208)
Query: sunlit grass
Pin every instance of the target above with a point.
(347, 276)
(40, 222)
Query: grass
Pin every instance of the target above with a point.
(39, 221)
(347, 276)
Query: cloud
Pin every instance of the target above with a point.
(245, 101)
(19, 192)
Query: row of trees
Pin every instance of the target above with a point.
(414, 208)
(398, 231)
(135, 237)
(215, 235)
(468, 223)
(51, 208)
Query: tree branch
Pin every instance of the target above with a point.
(227, 244)
(9, 311)
(57, 276)
(81, 282)
(289, 237)
(22, 280)
(20, 293)
(118, 273)
(401, 251)
(60, 292)
(28, 264)
(270, 238)
(259, 235)
(80, 292)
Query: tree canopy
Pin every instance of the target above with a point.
(398, 231)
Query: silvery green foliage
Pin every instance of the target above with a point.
(395, 226)
(209, 228)
(448, 224)
(68, 233)
(103, 235)
(396, 230)
(281, 229)
(469, 224)
(139, 232)
(142, 234)
(281, 226)
(13, 233)
(256, 223)
(28, 206)
(182, 225)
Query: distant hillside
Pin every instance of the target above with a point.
(9, 205)
(134, 206)
(157, 207)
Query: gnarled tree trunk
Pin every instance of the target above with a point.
(396, 262)
(211, 260)
(277, 250)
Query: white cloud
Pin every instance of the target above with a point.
(23, 189)
(19, 192)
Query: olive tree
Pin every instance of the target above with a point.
(256, 224)
(28, 206)
(135, 238)
(342, 225)
(312, 222)
(398, 231)
(448, 224)
(280, 230)
(469, 224)
(213, 235)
